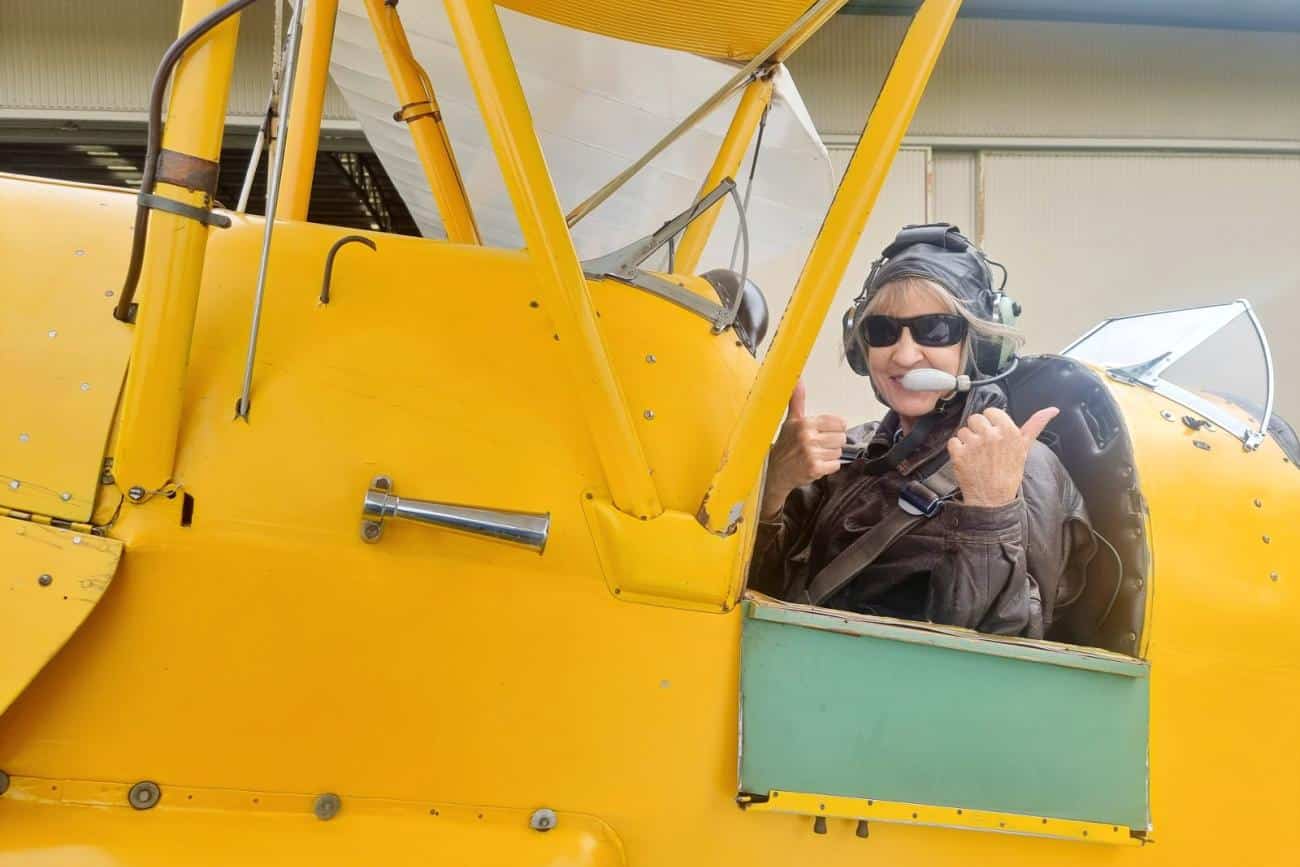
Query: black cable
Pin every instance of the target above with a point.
(169, 60)
(749, 182)
(1119, 576)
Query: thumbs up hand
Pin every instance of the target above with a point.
(989, 452)
(806, 449)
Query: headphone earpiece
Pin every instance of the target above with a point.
(853, 350)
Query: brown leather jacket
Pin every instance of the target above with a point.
(1001, 569)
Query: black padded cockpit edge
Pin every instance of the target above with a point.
(1092, 441)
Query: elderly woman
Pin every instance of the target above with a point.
(1009, 521)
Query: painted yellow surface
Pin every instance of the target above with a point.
(173, 261)
(827, 262)
(261, 653)
(555, 260)
(416, 100)
(306, 108)
(726, 29)
(79, 822)
(62, 363)
(893, 812)
(50, 579)
(265, 648)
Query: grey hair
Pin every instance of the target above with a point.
(895, 293)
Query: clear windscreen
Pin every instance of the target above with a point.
(1214, 357)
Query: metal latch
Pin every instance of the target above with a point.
(528, 529)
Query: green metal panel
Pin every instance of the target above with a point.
(843, 705)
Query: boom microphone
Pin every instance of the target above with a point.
(929, 379)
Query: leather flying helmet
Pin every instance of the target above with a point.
(941, 253)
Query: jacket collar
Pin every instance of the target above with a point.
(952, 413)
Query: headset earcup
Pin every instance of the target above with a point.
(1007, 312)
(853, 352)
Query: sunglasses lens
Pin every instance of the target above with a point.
(882, 330)
(938, 330)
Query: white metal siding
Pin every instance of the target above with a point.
(71, 55)
(1043, 79)
(954, 190)
(1087, 236)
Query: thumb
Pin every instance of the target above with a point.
(1037, 422)
(797, 401)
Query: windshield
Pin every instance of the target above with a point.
(1213, 360)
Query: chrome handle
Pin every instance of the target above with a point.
(528, 529)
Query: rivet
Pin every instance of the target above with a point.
(85, 386)
(819, 825)
(135, 494)
(76, 540)
(52, 333)
(65, 496)
(144, 795)
(1137, 583)
(108, 293)
(45, 580)
(1132, 636)
(22, 438)
(78, 252)
(370, 531)
(534, 304)
(863, 831)
(649, 415)
(1259, 504)
(326, 806)
(1202, 445)
(650, 359)
(1167, 415)
(1273, 576)
(543, 819)
(14, 484)
(1267, 539)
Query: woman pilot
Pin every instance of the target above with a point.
(951, 513)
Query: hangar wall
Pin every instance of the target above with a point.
(1114, 169)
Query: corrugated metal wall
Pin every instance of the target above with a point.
(98, 59)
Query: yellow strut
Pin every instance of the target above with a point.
(419, 108)
(753, 102)
(742, 463)
(173, 261)
(306, 108)
(550, 246)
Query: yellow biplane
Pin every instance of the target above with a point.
(435, 553)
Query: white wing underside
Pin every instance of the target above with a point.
(597, 104)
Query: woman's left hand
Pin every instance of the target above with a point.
(988, 455)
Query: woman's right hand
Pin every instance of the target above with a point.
(805, 450)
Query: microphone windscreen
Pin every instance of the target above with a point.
(928, 379)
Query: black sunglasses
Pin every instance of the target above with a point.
(932, 329)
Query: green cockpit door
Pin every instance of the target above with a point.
(859, 717)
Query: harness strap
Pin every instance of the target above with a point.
(920, 500)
